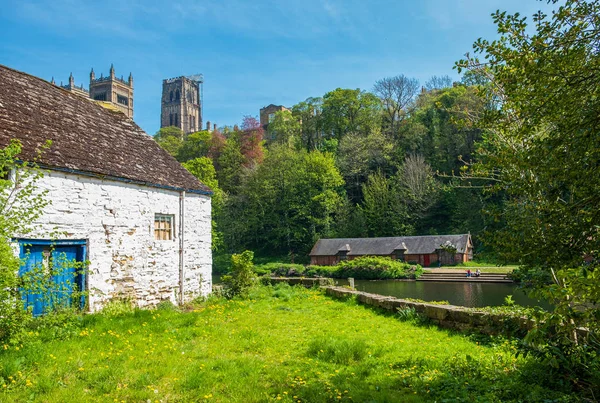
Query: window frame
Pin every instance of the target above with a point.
(169, 229)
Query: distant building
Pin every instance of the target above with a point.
(427, 250)
(267, 114)
(181, 103)
(110, 89)
(114, 90)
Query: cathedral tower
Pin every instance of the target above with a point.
(181, 103)
(113, 89)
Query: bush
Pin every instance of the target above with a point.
(13, 317)
(242, 277)
(376, 268)
(280, 269)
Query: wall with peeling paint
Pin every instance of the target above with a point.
(117, 220)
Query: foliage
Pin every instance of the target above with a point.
(195, 145)
(203, 169)
(397, 95)
(267, 347)
(376, 268)
(285, 204)
(285, 129)
(346, 111)
(279, 269)
(21, 204)
(542, 150)
(170, 138)
(384, 208)
(242, 277)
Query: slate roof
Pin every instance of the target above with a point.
(86, 138)
(415, 245)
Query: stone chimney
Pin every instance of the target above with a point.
(215, 127)
(208, 126)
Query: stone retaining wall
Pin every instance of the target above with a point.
(307, 282)
(447, 316)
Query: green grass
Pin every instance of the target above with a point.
(283, 344)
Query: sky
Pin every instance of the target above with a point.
(251, 53)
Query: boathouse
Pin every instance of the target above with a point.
(427, 250)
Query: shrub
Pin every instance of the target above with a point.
(12, 315)
(375, 268)
(242, 276)
(279, 269)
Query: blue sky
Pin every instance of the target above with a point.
(252, 53)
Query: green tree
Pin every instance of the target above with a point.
(286, 203)
(21, 204)
(285, 129)
(170, 138)
(231, 163)
(203, 169)
(360, 156)
(195, 145)
(347, 111)
(384, 208)
(543, 150)
(308, 112)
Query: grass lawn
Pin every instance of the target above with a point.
(284, 344)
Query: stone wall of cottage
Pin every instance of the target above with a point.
(117, 220)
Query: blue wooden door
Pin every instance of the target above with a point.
(52, 275)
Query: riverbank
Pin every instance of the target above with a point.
(283, 344)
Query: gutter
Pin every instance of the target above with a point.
(181, 244)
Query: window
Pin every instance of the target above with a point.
(176, 120)
(100, 96)
(192, 123)
(123, 100)
(271, 117)
(170, 119)
(177, 95)
(163, 227)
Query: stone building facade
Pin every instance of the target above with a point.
(114, 90)
(268, 112)
(111, 89)
(181, 104)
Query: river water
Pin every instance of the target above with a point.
(469, 294)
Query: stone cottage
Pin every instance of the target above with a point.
(118, 200)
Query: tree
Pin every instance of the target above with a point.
(384, 208)
(195, 145)
(21, 204)
(285, 129)
(203, 169)
(396, 94)
(360, 156)
(170, 138)
(286, 203)
(543, 150)
(350, 111)
(308, 113)
(438, 83)
(251, 141)
(231, 163)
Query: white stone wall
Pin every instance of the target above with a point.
(117, 220)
